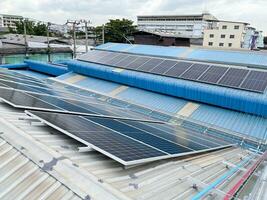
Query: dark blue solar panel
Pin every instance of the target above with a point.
(105, 135)
(255, 81)
(213, 74)
(233, 77)
(195, 71)
(140, 135)
(116, 59)
(125, 62)
(150, 65)
(178, 69)
(163, 67)
(138, 62)
(109, 141)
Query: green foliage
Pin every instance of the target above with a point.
(32, 28)
(116, 30)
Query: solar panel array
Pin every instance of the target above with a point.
(131, 142)
(123, 136)
(243, 79)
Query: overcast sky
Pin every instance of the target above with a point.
(99, 11)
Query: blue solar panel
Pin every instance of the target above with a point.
(119, 139)
(213, 74)
(195, 71)
(233, 77)
(255, 81)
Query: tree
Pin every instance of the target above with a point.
(116, 30)
(32, 28)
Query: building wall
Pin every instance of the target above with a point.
(220, 35)
(9, 20)
(190, 26)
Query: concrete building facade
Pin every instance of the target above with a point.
(9, 20)
(190, 26)
(232, 35)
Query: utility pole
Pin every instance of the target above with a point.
(25, 37)
(86, 32)
(74, 23)
(103, 34)
(48, 42)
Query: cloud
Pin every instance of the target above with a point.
(99, 11)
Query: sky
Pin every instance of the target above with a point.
(100, 11)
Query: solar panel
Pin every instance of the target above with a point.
(163, 67)
(233, 77)
(125, 62)
(107, 57)
(150, 65)
(92, 56)
(222, 76)
(138, 62)
(213, 74)
(195, 71)
(124, 141)
(255, 81)
(178, 69)
(116, 59)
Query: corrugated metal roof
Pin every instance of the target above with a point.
(246, 124)
(224, 56)
(20, 178)
(167, 179)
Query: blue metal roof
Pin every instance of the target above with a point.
(234, 57)
(250, 102)
(153, 100)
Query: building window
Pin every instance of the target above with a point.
(229, 44)
(236, 27)
(224, 27)
(210, 43)
(221, 44)
(211, 35)
(232, 36)
(222, 36)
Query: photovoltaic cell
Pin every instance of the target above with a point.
(233, 77)
(150, 65)
(213, 74)
(125, 62)
(138, 62)
(195, 71)
(116, 59)
(163, 67)
(126, 141)
(178, 69)
(255, 81)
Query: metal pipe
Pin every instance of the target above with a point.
(237, 186)
(221, 179)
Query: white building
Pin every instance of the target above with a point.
(9, 20)
(232, 35)
(190, 26)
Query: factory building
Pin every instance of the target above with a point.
(135, 122)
